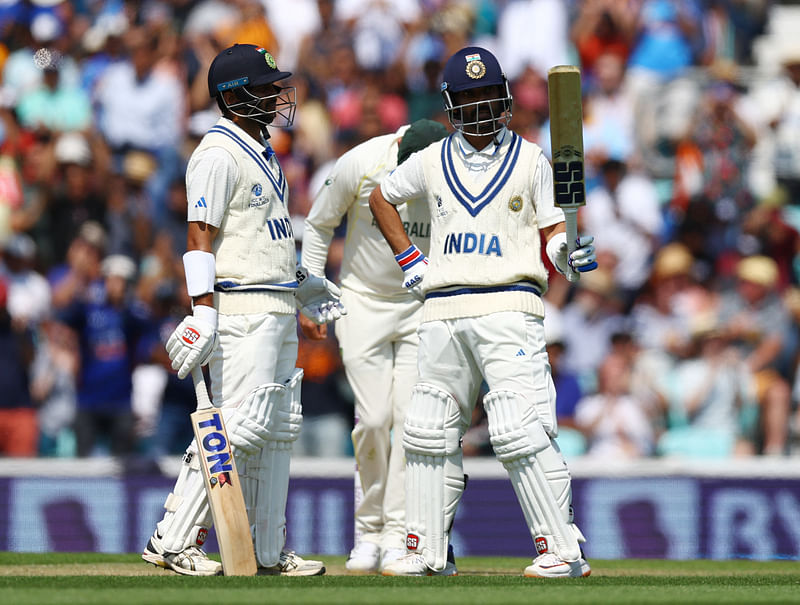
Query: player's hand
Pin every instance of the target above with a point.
(582, 259)
(192, 342)
(414, 265)
(317, 298)
(311, 330)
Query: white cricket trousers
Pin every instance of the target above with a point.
(506, 349)
(378, 339)
(253, 349)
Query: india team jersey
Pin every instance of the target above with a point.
(486, 210)
(236, 184)
(368, 264)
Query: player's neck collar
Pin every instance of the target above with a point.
(490, 150)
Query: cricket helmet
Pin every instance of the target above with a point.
(242, 68)
(470, 68)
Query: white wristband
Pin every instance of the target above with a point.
(201, 271)
(206, 314)
(553, 245)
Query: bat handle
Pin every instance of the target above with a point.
(571, 221)
(200, 390)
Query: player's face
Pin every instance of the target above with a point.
(480, 108)
(263, 103)
(268, 95)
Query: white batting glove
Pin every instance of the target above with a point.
(317, 298)
(582, 259)
(414, 265)
(193, 341)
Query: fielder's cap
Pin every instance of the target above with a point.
(418, 136)
(118, 265)
(760, 270)
(242, 65)
(471, 67)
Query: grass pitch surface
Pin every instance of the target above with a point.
(126, 580)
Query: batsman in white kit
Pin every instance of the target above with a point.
(378, 336)
(242, 276)
(490, 194)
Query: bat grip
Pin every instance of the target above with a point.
(571, 222)
(200, 390)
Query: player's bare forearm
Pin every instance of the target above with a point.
(552, 230)
(389, 221)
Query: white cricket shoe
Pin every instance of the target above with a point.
(550, 565)
(364, 558)
(413, 564)
(292, 564)
(191, 561)
(390, 555)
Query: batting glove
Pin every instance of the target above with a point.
(193, 341)
(414, 265)
(317, 298)
(582, 259)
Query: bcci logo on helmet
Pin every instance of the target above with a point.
(268, 58)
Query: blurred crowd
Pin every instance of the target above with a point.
(684, 343)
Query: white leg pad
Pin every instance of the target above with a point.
(434, 472)
(537, 470)
(269, 471)
(188, 515)
(247, 423)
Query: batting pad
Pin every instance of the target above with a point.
(537, 470)
(188, 515)
(269, 470)
(434, 472)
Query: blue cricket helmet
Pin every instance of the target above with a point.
(469, 68)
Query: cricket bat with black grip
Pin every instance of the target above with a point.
(223, 486)
(566, 143)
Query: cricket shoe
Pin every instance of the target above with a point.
(191, 561)
(550, 565)
(292, 564)
(364, 558)
(390, 555)
(413, 564)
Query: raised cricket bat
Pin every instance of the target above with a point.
(566, 143)
(222, 483)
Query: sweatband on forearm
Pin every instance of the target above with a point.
(201, 271)
(553, 245)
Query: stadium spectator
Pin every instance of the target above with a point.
(754, 319)
(108, 327)
(18, 428)
(614, 422)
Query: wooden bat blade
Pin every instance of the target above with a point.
(566, 135)
(566, 144)
(224, 491)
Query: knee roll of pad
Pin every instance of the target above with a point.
(432, 425)
(515, 430)
(286, 419)
(247, 423)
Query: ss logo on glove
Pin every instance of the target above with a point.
(190, 335)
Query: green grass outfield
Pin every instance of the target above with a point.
(126, 580)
